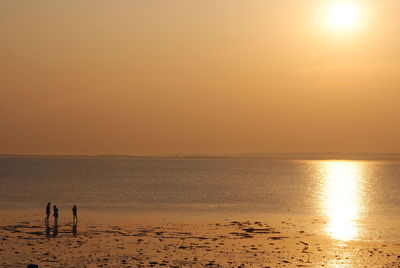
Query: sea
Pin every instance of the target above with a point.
(346, 193)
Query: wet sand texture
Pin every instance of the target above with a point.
(224, 244)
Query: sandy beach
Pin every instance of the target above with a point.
(275, 242)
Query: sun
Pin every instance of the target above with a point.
(343, 16)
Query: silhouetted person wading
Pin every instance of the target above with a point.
(75, 215)
(55, 214)
(48, 209)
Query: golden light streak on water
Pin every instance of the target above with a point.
(341, 200)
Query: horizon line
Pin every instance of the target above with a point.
(300, 156)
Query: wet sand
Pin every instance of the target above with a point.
(226, 243)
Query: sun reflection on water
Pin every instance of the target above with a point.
(342, 202)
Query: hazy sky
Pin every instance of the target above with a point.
(206, 76)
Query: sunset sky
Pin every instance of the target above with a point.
(206, 76)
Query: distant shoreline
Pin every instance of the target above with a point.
(269, 156)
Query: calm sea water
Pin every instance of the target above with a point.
(370, 188)
(345, 195)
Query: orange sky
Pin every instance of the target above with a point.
(156, 77)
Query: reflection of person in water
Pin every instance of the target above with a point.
(74, 230)
(74, 215)
(48, 209)
(55, 231)
(47, 229)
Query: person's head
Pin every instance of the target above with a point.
(74, 206)
(48, 203)
(54, 206)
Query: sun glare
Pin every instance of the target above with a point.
(343, 16)
(342, 201)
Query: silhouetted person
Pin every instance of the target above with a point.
(46, 220)
(55, 214)
(74, 215)
(48, 210)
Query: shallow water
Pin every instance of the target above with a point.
(345, 193)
